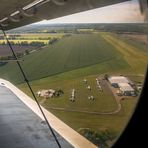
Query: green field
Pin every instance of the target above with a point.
(103, 102)
(77, 51)
(134, 56)
(72, 53)
(42, 35)
(66, 63)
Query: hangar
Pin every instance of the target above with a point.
(123, 83)
(126, 89)
(115, 80)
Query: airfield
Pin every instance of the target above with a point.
(85, 55)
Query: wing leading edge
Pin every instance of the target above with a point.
(16, 13)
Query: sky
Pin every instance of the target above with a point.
(126, 12)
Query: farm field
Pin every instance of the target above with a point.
(38, 35)
(18, 39)
(137, 42)
(66, 63)
(42, 35)
(43, 63)
(129, 53)
(137, 37)
(5, 50)
(75, 52)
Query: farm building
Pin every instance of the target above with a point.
(123, 84)
(46, 93)
(115, 80)
(126, 89)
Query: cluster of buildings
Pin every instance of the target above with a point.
(49, 93)
(46, 93)
(124, 85)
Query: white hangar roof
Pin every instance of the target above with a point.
(125, 87)
(118, 79)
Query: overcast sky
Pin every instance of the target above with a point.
(127, 12)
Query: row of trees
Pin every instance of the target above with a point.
(25, 38)
(25, 43)
(102, 138)
(33, 43)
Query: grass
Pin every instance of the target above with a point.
(72, 53)
(114, 123)
(42, 35)
(103, 102)
(138, 44)
(82, 101)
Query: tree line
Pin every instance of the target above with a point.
(33, 43)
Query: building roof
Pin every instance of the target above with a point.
(118, 79)
(125, 87)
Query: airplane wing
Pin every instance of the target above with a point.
(17, 13)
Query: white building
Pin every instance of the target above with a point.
(126, 89)
(115, 80)
(123, 84)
